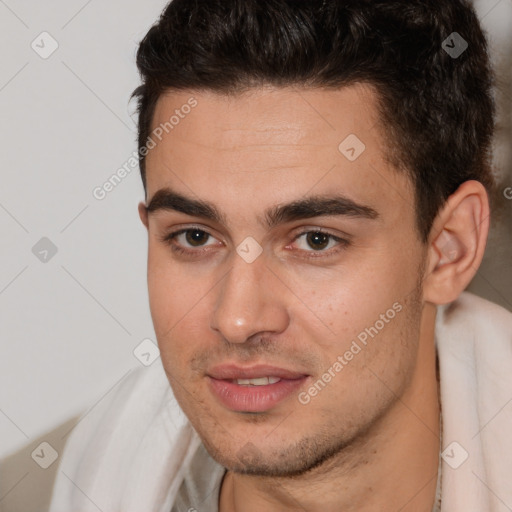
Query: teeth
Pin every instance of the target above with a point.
(261, 381)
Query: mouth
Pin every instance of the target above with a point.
(253, 389)
(259, 381)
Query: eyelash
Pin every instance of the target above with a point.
(169, 240)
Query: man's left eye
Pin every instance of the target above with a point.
(319, 241)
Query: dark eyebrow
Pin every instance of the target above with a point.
(316, 206)
(166, 199)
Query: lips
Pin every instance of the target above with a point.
(233, 372)
(253, 389)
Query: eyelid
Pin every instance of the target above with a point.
(327, 231)
(343, 241)
(177, 231)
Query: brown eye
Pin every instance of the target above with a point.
(317, 243)
(189, 241)
(318, 240)
(196, 237)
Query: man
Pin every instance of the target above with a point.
(317, 187)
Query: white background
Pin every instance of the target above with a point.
(69, 326)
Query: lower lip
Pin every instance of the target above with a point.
(253, 398)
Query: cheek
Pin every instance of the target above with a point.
(344, 301)
(374, 364)
(178, 302)
(171, 292)
(366, 312)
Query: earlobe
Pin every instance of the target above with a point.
(457, 243)
(143, 214)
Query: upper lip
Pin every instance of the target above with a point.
(232, 372)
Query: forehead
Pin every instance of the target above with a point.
(277, 143)
(290, 115)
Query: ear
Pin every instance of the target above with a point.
(457, 243)
(143, 214)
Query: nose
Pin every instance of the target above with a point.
(251, 300)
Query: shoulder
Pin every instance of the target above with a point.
(136, 424)
(140, 397)
(470, 313)
(475, 333)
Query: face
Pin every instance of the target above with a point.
(283, 270)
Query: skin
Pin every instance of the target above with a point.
(370, 439)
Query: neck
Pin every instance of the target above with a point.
(392, 467)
